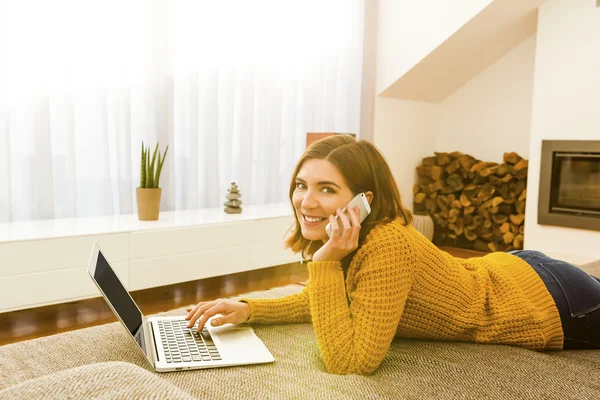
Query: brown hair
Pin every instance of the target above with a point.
(364, 169)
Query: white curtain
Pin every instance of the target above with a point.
(231, 86)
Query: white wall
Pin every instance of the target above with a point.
(405, 133)
(566, 105)
(491, 114)
(408, 30)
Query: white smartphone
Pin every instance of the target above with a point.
(365, 209)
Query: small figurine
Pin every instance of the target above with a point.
(233, 203)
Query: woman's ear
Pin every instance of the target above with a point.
(369, 197)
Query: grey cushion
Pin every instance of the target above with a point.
(110, 380)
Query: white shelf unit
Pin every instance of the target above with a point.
(45, 262)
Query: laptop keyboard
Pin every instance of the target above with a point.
(183, 344)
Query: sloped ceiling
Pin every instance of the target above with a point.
(488, 36)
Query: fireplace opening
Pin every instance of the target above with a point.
(570, 184)
(576, 184)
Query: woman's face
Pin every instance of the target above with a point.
(320, 191)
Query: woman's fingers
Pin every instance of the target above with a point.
(335, 229)
(218, 309)
(354, 218)
(191, 311)
(345, 223)
(197, 311)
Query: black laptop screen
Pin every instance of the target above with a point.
(117, 295)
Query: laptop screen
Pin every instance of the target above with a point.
(120, 300)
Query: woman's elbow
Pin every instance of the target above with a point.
(354, 369)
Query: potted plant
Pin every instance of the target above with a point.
(148, 194)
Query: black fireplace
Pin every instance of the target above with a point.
(570, 184)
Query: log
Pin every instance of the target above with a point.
(517, 186)
(508, 237)
(423, 170)
(520, 165)
(504, 191)
(481, 165)
(469, 234)
(436, 186)
(503, 247)
(518, 241)
(464, 200)
(455, 181)
(467, 162)
(499, 218)
(478, 220)
(453, 166)
(459, 227)
(486, 192)
(442, 158)
(442, 201)
(517, 219)
(430, 205)
(420, 198)
(425, 189)
(447, 189)
(520, 207)
(437, 172)
(522, 174)
(488, 171)
(503, 169)
(511, 158)
(480, 245)
(506, 209)
(429, 161)
(496, 201)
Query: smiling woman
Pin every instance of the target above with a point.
(383, 279)
(327, 176)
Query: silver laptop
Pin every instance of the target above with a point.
(166, 342)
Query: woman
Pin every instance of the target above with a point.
(384, 279)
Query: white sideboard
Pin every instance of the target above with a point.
(45, 262)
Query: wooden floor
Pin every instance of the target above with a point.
(44, 321)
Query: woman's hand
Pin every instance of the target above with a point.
(234, 312)
(339, 246)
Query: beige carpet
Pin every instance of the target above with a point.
(412, 370)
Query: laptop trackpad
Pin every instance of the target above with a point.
(234, 335)
(239, 342)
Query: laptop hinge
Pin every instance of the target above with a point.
(151, 341)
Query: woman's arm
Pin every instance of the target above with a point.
(294, 308)
(354, 334)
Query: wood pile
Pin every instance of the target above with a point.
(474, 204)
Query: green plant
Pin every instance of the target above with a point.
(150, 178)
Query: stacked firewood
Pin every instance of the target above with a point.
(474, 204)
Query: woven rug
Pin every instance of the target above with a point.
(412, 369)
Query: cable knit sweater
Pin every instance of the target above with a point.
(400, 284)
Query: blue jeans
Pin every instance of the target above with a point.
(577, 297)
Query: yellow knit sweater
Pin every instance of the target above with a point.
(400, 284)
